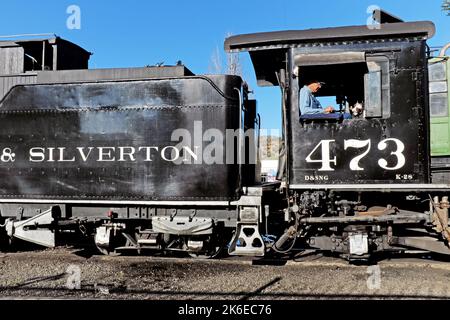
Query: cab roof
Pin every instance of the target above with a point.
(274, 39)
(268, 49)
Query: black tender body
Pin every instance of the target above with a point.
(114, 115)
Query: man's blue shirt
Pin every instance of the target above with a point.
(308, 103)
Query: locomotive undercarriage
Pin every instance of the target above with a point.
(360, 224)
(203, 231)
(113, 238)
(354, 225)
(113, 233)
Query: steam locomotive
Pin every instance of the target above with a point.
(159, 159)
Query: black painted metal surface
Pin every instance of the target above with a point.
(115, 116)
(404, 129)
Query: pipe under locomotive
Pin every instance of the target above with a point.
(160, 159)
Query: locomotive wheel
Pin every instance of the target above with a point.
(215, 245)
(108, 251)
(210, 254)
(6, 244)
(109, 240)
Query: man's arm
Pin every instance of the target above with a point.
(329, 109)
(306, 103)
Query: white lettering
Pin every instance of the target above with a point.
(104, 154)
(74, 20)
(148, 151)
(240, 136)
(50, 155)
(83, 155)
(357, 144)
(198, 139)
(185, 141)
(398, 153)
(189, 310)
(325, 158)
(316, 178)
(130, 153)
(174, 151)
(61, 156)
(213, 152)
(37, 154)
(188, 151)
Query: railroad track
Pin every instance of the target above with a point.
(62, 274)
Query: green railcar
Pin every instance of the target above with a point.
(439, 81)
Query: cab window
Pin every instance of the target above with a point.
(356, 85)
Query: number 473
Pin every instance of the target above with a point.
(365, 145)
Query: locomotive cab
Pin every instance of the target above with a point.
(376, 80)
(356, 180)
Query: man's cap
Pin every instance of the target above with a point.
(315, 81)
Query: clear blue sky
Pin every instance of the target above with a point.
(138, 33)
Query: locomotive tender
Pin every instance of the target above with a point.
(158, 158)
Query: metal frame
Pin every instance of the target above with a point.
(118, 202)
(374, 187)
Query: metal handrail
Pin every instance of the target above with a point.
(444, 50)
(28, 35)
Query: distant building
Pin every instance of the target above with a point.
(269, 147)
(269, 170)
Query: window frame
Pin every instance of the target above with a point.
(378, 106)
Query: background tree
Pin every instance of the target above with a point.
(233, 64)
(446, 6)
(215, 64)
